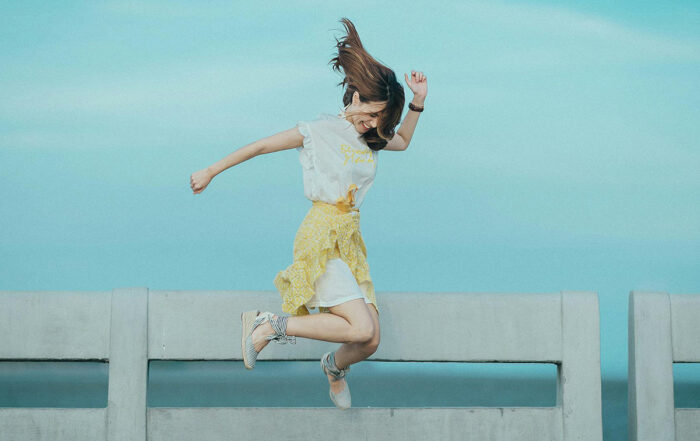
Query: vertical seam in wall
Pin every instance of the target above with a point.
(109, 361)
(561, 362)
(631, 363)
(673, 380)
(148, 333)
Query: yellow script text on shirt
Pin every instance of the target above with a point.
(356, 155)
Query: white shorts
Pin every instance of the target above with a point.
(335, 286)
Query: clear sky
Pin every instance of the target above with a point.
(559, 148)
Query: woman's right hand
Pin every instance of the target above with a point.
(199, 180)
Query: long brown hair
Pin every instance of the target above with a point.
(372, 80)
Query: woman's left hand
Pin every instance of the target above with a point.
(418, 83)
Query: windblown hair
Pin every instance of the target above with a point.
(372, 80)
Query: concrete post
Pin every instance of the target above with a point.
(128, 365)
(578, 376)
(650, 370)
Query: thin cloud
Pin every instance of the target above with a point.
(202, 83)
(556, 21)
(208, 10)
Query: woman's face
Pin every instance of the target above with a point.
(364, 116)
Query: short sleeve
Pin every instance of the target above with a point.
(306, 151)
(303, 127)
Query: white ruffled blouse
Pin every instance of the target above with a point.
(333, 157)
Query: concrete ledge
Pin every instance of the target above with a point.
(52, 424)
(189, 325)
(322, 424)
(54, 325)
(687, 424)
(685, 327)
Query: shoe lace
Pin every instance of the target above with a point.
(279, 325)
(332, 369)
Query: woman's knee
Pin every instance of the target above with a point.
(360, 318)
(370, 342)
(372, 345)
(362, 333)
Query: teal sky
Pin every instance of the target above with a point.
(559, 148)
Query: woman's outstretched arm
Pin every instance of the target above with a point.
(287, 139)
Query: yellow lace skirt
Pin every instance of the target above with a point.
(327, 232)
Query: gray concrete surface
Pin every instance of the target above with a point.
(128, 365)
(131, 326)
(663, 329)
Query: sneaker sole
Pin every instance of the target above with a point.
(247, 319)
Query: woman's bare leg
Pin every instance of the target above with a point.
(349, 322)
(350, 353)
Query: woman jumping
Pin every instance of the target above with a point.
(338, 154)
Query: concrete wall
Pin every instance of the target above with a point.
(129, 327)
(663, 329)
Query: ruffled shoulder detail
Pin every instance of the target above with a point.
(306, 151)
(303, 127)
(323, 235)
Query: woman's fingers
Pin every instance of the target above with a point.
(199, 181)
(417, 76)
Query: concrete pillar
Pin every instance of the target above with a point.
(578, 376)
(650, 370)
(128, 365)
